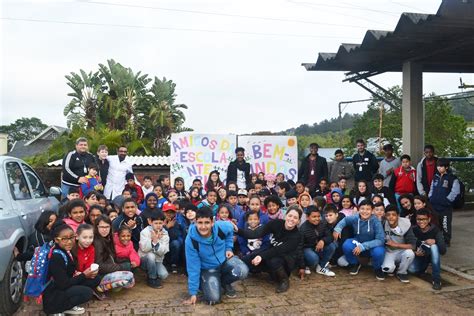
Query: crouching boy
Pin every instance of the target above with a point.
(154, 244)
(400, 242)
(210, 262)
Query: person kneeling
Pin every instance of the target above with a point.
(210, 261)
(399, 245)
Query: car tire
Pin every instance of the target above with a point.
(11, 288)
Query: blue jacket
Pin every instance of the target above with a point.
(369, 232)
(444, 190)
(244, 243)
(211, 252)
(237, 212)
(241, 221)
(204, 203)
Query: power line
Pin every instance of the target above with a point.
(166, 28)
(220, 14)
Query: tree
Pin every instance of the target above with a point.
(23, 129)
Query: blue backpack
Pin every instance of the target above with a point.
(38, 280)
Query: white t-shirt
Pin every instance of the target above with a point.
(241, 179)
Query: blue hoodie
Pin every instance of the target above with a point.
(211, 252)
(368, 232)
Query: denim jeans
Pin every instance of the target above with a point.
(230, 271)
(312, 258)
(153, 268)
(420, 263)
(377, 254)
(175, 251)
(65, 190)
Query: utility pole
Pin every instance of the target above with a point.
(340, 115)
(381, 108)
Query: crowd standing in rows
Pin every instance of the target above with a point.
(389, 214)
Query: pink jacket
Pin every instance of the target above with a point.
(126, 252)
(72, 223)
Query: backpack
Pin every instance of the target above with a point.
(37, 280)
(459, 200)
(220, 234)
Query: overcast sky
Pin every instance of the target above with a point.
(237, 64)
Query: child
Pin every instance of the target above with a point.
(72, 194)
(172, 196)
(176, 236)
(322, 189)
(282, 188)
(256, 206)
(404, 178)
(154, 245)
(112, 213)
(319, 202)
(421, 201)
(270, 182)
(249, 246)
(280, 177)
(147, 186)
(164, 182)
(258, 186)
(291, 198)
(151, 201)
(92, 181)
(445, 188)
(68, 291)
(342, 184)
(76, 212)
(368, 239)
(407, 207)
(179, 187)
(124, 248)
(430, 245)
(385, 192)
(336, 197)
(399, 244)
(333, 217)
(388, 165)
(126, 194)
(360, 193)
(304, 200)
(242, 198)
(188, 217)
(91, 199)
(221, 195)
(274, 207)
(136, 190)
(379, 211)
(129, 218)
(102, 200)
(299, 187)
(94, 212)
(348, 208)
(318, 245)
(235, 210)
(158, 190)
(197, 183)
(328, 197)
(232, 186)
(195, 195)
(210, 201)
(84, 252)
(213, 182)
(224, 213)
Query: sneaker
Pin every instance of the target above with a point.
(56, 314)
(174, 268)
(325, 271)
(154, 283)
(229, 291)
(436, 285)
(403, 277)
(100, 296)
(76, 310)
(307, 270)
(379, 275)
(354, 269)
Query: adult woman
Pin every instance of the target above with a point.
(113, 274)
(284, 253)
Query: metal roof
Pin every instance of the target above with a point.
(441, 42)
(138, 161)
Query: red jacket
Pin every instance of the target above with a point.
(85, 257)
(405, 181)
(126, 252)
(137, 193)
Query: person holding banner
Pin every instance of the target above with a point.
(313, 168)
(239, 170)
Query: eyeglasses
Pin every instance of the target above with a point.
(71, 238)
(422, 219)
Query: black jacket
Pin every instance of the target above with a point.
(75, 166)
(369, 165)
(312, 234)
(321, 170)
(232, 172)
(385, 192)
(433, 233)
(103, 169)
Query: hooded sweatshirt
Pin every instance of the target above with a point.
(402, 234)
(432, 233)
(368, 232)
(211, 252)
(126, 252)
(160, 249)
(72, 223)
(122, 219)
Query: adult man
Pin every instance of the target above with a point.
(364, 162)
(425, 171)
(239, 170)
(313, 168)
(118, 169)
(75, 166)
(210, 261)
(388, 164)
(340, 168)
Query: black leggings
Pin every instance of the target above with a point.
(270, 265)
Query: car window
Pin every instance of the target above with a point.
(16, 179)
(36, 185)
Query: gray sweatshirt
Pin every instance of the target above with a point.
(385, 166)
(402, 234)
(160, 249)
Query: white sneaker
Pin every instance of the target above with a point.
(307, 270)
(76, 310)
(325, 271)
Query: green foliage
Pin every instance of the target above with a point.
(332, 125)
(23, 129)
(326, 140)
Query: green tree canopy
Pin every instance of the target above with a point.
(23, 129)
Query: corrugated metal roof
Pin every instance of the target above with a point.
(135, 160)
(441, 42)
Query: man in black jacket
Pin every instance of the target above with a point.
(365, 163)
(75, 165)
(313, 168)
(239, 170)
